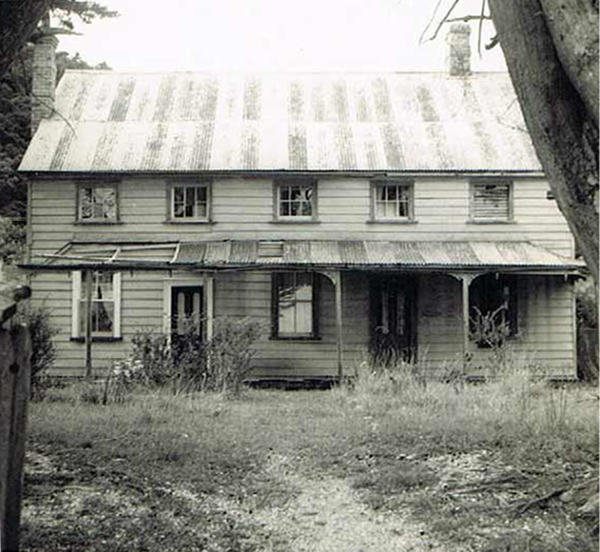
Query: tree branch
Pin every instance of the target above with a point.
(574, 29)
(444, 19)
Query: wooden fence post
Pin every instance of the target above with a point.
(15, 375)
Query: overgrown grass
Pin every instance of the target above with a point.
(469, 460)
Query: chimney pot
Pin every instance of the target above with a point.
(459, 51)
(43, 83)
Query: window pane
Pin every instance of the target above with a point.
(97, 203)
(190, 200)
(103, 316)
(303, 318)
(104, 287)
(286, 317)
(295, 200)
(402, 209)
(85, 203)
(201, 194)
(304, 286)
(201, 210)
(306, 209)
(392, 192)
(295, 304)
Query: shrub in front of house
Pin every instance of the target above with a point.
(188, 363)
(43, 349)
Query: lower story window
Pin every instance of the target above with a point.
(105, 304)
(493, 309)
(294, 305)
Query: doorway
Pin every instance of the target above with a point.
(393, 319)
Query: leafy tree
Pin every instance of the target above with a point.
(551, 51)
(15, 121)
(18, 22)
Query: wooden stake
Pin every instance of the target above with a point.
(338, 323)
(466, 282)
(89, 277)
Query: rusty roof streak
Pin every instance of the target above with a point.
(313, 122)
(252, 98)
(120, 103)
(298, 156)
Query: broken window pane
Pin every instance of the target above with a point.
(296, 200)
(98, 203)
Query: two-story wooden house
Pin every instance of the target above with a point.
(345, 211)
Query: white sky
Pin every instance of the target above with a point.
(291, 35)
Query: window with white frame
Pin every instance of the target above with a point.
(392, 201)
(105, 304)
(190, 202)
(294, 305)
(97, 203)
(296, 200)
(491, 201)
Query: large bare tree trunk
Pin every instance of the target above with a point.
(18, 20)
(551, 50)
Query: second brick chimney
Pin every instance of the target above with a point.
(459, 50)
(43, 84)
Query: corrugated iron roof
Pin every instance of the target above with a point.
(444, 256)
(182, 122)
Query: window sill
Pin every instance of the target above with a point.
(97, 339)
(184, 222)
(98, 222)
(392, 221)
(295, 338)
(499, 221)
(292, 221)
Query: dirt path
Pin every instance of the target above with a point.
(327, 516)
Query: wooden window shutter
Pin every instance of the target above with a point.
(491, 201)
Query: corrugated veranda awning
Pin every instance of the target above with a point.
(298, 254)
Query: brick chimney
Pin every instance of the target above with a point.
(459, 51)
(43, 83)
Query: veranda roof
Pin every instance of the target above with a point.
(307, 254)
(111, 122)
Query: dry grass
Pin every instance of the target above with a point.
(468, 461)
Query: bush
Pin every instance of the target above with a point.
(191, 364)
(13, 239)
(230, 352)
(43, 353)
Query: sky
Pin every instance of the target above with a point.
(274, 35)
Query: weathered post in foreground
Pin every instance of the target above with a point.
(15, 370)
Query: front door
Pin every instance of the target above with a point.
(393, 318)
(187, 311)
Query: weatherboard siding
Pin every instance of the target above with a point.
(242, 208)
(546, 319)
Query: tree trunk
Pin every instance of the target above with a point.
(562, 124)
(18, 20)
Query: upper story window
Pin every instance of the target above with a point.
(294, 305)
(105, 304)
(97, 203)
(392, 201)
(491, 201)
(296, 200)
(189, 202)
